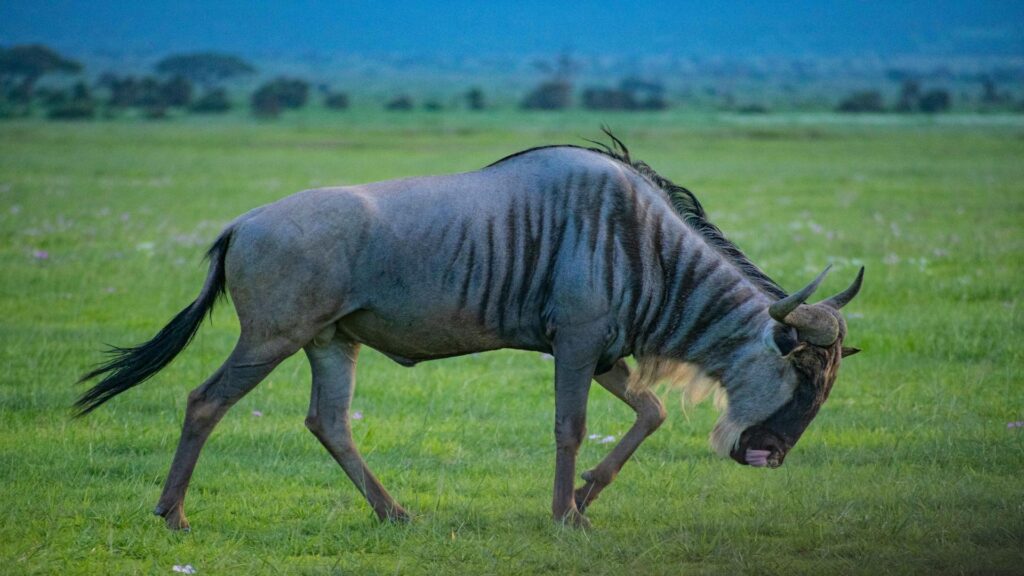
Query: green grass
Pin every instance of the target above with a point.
(909, 468)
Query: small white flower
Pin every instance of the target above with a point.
(607, 440)
(184, 569)
(257, 413)
(357, 415)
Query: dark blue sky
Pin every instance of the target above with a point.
(463, 28)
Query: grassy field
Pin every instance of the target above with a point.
(912, 466)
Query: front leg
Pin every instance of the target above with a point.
(572, 384)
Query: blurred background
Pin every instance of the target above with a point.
(105, 59)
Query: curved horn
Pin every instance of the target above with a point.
(843, 298)
(780, 309)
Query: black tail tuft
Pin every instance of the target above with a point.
(132, 366)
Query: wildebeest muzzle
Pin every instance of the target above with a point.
(760, 447)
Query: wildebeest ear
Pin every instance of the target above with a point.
(849, 351)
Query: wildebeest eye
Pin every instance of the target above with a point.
(785, 338)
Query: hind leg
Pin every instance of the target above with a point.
(334, 370)
(649, 416)
(207, 404)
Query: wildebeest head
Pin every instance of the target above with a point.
(805, 348)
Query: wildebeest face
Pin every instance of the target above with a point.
(809, 339)
(816, 368)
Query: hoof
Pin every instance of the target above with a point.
(575, 519)
(399, 517)
(173, 516)
(583, 496)
(396, 515)
(586, 494)
(178, 524)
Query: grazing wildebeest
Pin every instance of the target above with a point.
(580, 252)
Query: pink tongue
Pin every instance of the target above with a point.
(758, 458)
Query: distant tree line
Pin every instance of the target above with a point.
(203, 82)
(912, 98)
(21, 67)
(556, 91)
(270, 99)
(184, 83)
(631, 94)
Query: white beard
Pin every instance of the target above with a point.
(726, 435)
(696, 387)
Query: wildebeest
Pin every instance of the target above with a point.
(579, 252)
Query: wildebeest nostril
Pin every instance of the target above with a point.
(777, 449)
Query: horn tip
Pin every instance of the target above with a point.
(860, 277)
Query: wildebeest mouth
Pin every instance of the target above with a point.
(760, 448)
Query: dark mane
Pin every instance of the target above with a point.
(685, 204)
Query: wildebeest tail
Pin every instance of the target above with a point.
(134, 365)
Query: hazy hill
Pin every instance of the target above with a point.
(731, 28)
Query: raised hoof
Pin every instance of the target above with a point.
(586, 494)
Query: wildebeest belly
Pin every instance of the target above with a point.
(408, 339)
